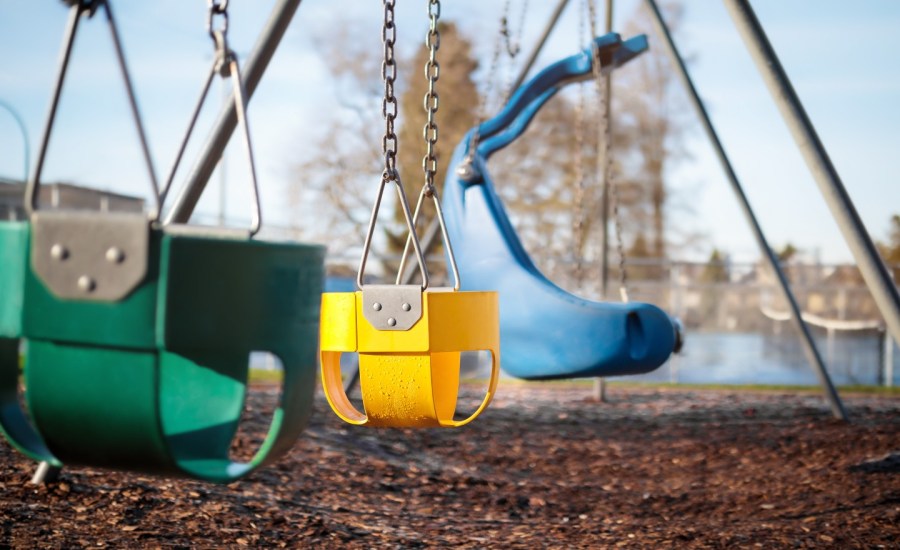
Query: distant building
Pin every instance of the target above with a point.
(63, 196)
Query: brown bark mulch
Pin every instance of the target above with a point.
(545, 466)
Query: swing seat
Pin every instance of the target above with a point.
(547, 333)
(154, 381)
(408, 378)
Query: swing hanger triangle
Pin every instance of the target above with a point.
(78, 9)
(80, 255)
(225, 64)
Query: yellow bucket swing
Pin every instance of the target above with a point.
(409, 338)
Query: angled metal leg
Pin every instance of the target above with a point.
(812, 353)
(45, 473)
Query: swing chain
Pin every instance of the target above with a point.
(605, 159)
(389, 109)
(466, 169)
(217, 8)
(579, 226)
(389, 105)
(225, 64)
(432, 101)
(430, 132)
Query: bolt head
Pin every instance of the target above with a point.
(86, 284)
(406, 307)
(115, 255)
(59, 252)
(376, 306)
(392, 322)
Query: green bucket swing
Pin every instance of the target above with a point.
(137, 337)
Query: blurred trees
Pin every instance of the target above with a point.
(538, 176)
(336, 184)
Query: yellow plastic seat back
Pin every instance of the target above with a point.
(409, 377)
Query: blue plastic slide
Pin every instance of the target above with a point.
(545, 332)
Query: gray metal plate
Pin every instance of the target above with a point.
(89, 255)
(392, 307)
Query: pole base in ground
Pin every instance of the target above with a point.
(600, 389)
(45, 473)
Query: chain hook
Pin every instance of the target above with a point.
(220, 9)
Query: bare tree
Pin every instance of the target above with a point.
(336, 184)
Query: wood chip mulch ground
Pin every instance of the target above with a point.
(545, 467)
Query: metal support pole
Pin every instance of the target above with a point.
(256, 65)
(812, 353)
(426, 242)
(554, 17)
(600, 383)
(871, 266)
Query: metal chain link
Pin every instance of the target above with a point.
(220, 9)
(432, 101)
(606, 158)
(467, 169)
(513, 45)
(430, 133)
(389, 109)
(578, 217)
(389, 105)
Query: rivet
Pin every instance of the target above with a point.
(115, 255)
(376, 306)
(406, 307)
(59, 252)
(86, 284)
(392, 322)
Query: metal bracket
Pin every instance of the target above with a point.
(89, 256)
(392, 307)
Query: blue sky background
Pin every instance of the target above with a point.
(841, 56)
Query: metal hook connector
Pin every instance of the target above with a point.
(220, 9)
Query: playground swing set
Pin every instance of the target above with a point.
(116, 322)
(129, 362)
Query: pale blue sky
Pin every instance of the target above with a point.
(841, 56)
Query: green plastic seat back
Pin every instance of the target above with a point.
(156, 381)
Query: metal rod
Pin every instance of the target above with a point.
(812, 353)
(427, 241)
(256, 65)
(554, 17)
(872, 268)
(31, 186)
(135, 112)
